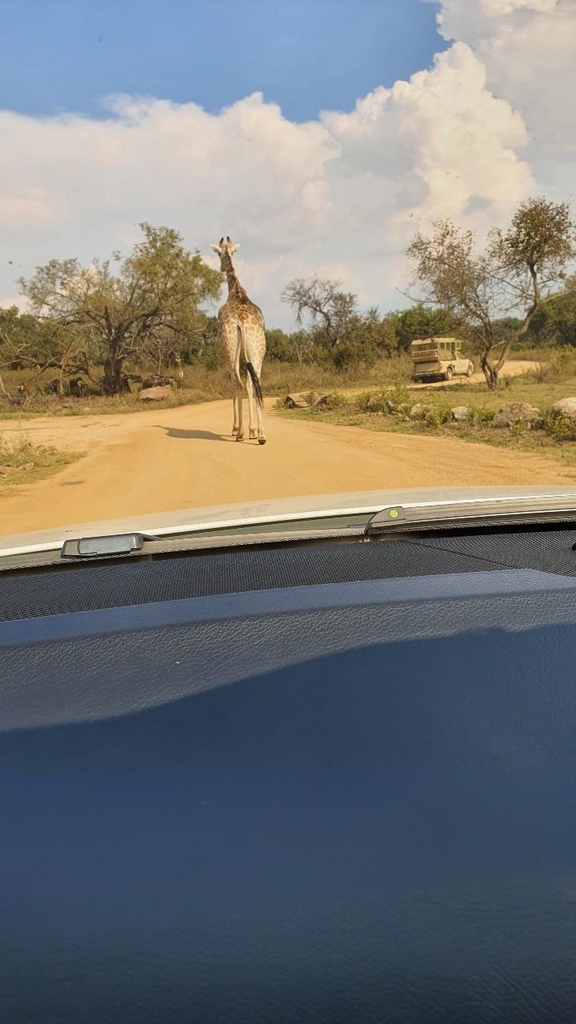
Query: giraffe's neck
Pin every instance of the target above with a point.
(235, 289)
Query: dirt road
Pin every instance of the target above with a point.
(512, 369)
(165, 459)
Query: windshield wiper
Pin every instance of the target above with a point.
(103, 547)
(123, 545)
(365, 524)
(470, 513)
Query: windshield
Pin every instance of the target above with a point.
(283, 250)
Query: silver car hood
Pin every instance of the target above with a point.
(290, 510)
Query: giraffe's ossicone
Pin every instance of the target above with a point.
(242, 341)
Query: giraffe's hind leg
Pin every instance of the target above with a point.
(237, 427)
(255, 409)
(259, 419)
(252, 434)
(261, 433)
(240, 423)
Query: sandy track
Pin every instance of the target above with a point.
(512, 369)
(165, 459)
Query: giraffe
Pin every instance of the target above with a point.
(242, 339)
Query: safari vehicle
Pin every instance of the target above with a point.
(442, 358)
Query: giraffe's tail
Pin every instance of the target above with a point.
(250, 368)
(256, 383)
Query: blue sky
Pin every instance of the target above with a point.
(467, 138)
(306, 55)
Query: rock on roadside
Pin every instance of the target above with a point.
(517, 412)
(565, 409)
(157, 394)
(460, 413)
(295, 402)
(325, 402)
(418, 411)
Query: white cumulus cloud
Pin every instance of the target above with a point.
(528, 48)
(484, 127)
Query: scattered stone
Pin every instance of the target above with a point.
(565, 409)
(156, 394)
(325, 402)
(373, 403)
(295, 402)
(517, 412)
(418, 411)
(460, 413)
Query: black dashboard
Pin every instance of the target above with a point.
(320, 782)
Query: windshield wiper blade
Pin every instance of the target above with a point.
(471, 512)
(103, 547)
(413, 516)
(123, 545)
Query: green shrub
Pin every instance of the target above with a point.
(330, 401)
(560, 366)
(23, 457)
(399, 395)
(560, 429)
(436, 415)
(372, 401)
(481, 414)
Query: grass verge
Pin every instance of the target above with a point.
(22, 463)
(373, 411)
(200, 384)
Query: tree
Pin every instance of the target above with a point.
(319, 304)
(278, 346)
(555, 323)
(296, 347)
(16, 340)
(333, 326)
(27, 341)
(515, 273)
(422, 321)
(367, 338)
(154, 295)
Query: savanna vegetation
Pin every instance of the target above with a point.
(96, 335)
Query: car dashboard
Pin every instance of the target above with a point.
(292, 783)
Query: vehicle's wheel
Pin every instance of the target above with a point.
(449, 373)
(470, 369)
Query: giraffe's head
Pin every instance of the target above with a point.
(225, 250)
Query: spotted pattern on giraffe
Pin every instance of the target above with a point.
(242, 342)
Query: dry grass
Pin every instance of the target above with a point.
(200, 385)
(203, 386)
(22, 462)
(283, 378)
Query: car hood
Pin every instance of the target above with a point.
(314, 507)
